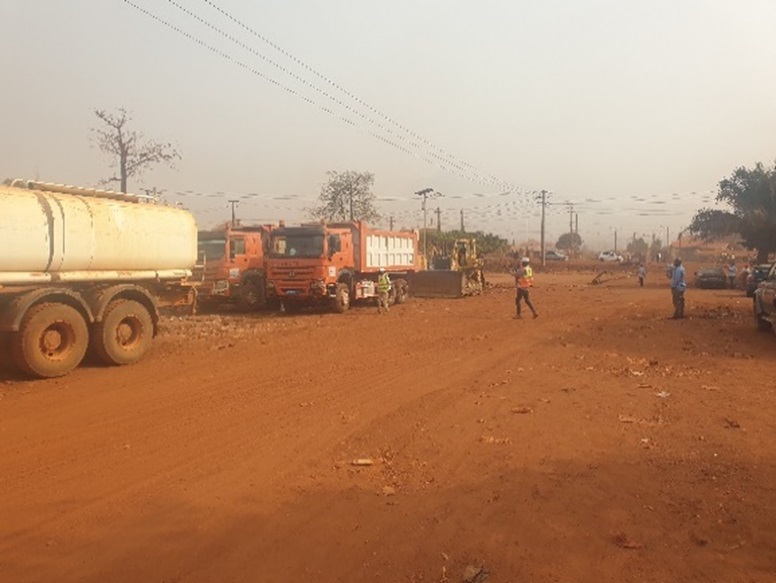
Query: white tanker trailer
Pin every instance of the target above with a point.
(83, 268)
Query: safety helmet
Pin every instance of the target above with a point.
(525, 260)
(382, 269)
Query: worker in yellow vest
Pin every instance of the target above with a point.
(383, 289)
(523, 283)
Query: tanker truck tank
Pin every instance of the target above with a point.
(58, 233)
(82, 268)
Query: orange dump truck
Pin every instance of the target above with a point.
(338, 263)
(230, 263)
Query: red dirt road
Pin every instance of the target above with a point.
(601, 442)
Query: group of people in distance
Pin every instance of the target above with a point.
(524, 280)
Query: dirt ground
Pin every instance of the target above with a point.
(600, 442)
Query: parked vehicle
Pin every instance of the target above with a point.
(87, 268)
(765, 302)
(555, 256)
(608, 256)
(230, 262)
(758, 274)
(338, 263)
(711, 278)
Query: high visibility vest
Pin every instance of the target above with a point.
(525, 277)
(383, 283)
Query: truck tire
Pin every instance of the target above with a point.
(341, 298)
(125, 333)
(402, 291)
(52, 340)
(251, 297)
(763, 325)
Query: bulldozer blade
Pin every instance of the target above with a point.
(438, 284)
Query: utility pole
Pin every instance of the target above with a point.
(425, 194)
(544, 206)
(462, 228)
(615, 240)
(439, 220)
(571, 218)
(576, 221)
(234, 219)
(390, 222)
(668, 241)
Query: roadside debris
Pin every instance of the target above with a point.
(732, 423)
(624, 542)
(362, 462)
(472, 574)
(522, 410)
(496, 440)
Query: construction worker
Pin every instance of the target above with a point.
(523, 283)
(383, 289)
(678, 285)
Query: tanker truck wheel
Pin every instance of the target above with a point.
(125, 333)
(341, 298)
(52, 340)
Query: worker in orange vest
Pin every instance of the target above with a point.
(523, 283)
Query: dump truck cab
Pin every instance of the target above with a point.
(305, 263)
(334, 264)
(230, 263)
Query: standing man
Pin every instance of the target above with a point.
(732, 269)
(383, 288)
(523, 283)
(678, 285)
(642, 274)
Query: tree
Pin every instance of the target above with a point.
(347, 196)
(569, 242)
(750, 195)
(486, 242)
(132, 153)
(638, 247)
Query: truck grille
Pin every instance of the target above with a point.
(292, 273)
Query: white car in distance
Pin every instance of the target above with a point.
(609, 256)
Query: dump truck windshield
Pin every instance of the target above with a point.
(297, 246)
(212, 249)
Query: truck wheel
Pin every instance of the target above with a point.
(402, 291)
(763, 325)
(251, 298)
(341, 298)
(52, 340)
(125, 333)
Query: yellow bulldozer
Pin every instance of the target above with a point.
(454, 271)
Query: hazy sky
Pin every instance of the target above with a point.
(633, 110)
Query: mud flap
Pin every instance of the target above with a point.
(438, 284)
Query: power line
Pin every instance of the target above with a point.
(288, 89)
(448, 165)
(350, 94)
